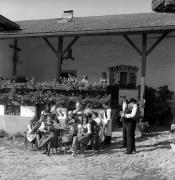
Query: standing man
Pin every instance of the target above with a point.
(130, 120)
(124, 109)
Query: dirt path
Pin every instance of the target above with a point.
(154, 160)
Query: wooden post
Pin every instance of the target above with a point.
(15, 58)
(143, 66)
(15, 55)
(59, 56)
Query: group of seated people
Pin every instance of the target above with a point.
(85, 126)
(71, 80)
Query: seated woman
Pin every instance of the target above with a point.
(78, 112)
(72, 123)
(101, 125)
(104, 79)
(71, 79)
(85, 81)
(70, 117)
(46, 111)
(83, 136)
(48, 134)
(97, 119)
(100, 130)
(42, 127)
(61, 117)
(32, 133)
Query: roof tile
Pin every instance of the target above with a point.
(95, 24)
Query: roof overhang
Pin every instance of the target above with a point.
(8, 25)
(150, 23)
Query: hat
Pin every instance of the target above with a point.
(132, 100)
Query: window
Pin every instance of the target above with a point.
(12, 110)
(123, 79)
(125, 76)
(132, 79)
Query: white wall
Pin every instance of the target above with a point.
(14, 124)
(93, 55)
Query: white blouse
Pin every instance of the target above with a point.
(98, 121)
(42, 127)
(108, 121)
(133, 112)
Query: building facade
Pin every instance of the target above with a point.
(93, 55)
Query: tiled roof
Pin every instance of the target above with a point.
(109, 24)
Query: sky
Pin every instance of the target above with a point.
(43, 9)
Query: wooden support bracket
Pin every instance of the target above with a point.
(50, 45)
(70, 45)
(132, 44)
(156, 43)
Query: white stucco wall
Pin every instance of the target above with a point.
(93, 55)
(15, 124)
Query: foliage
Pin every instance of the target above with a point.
(96, 102)
(49, 85)
(164, 93)
(51, 92)
(3, 133)
(18, 135)
(156, 107)
(143, 127)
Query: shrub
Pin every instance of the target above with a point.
(3, 133)
(143, 127)
(33, 93)
(156, 107)
(18, 135)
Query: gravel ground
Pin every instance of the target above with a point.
(154, 160)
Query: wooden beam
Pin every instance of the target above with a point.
(16, 49)
(70, 45)
(50, 45)
(59, 56)
(143, 66)
(15, 56)
(156, 43)
(132, 44)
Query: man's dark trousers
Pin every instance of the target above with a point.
(124, 144)
(130, 134)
